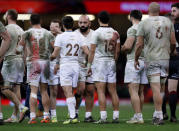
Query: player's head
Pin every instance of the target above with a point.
(84, 23)
(135, 15)
(154, 8)
(67, 22)
(55, 27)
(35, 19)
(175, 11)
(11, 14)
(103, 17)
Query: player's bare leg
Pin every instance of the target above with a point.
(33, 104)
(53, 96)
(157, 98)
(13, 118)
(115, 101)
(89, 102)
(45, 102)
(136, 93)
(1, 115)
(141, 96)
(172, 88)
(78, 95)
(101, 88)
(71, 103)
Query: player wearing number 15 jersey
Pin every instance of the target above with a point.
(67, 45)
(104, 47)
(156, 34)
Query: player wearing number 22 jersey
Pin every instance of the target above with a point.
(67, 45)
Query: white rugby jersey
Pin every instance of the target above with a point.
(87, 41)
(104, 48)
(70, 44)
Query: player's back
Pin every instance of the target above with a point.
(157, 32)
(105, 49)
(16, 33)
(38, 40)
(70, 44)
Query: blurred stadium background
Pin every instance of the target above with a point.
(119, 10)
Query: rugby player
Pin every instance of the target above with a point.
(85, 84)
(103, 52)
(55, 29)
(37, 40)
(67, 45)
(135, 79)
(4, 46)
(156, 35)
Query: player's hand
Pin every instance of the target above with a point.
(89, 72)
(136, 65)
(56, 68)
(52, 58)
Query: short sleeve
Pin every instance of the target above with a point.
(131, 32)
(140, 30)
(94, 38)
(51, 37)
(58, 41)
(2, 28)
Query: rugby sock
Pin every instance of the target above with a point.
(103, 115)
(173, 102)
(115, 115)
(158, 114)
(46, 115)
(71, 102)
(87, 114)
(77, 111)
(32, 115)
(139, 115)
(21, 106)
(13, 116)
(53, 113)
(155, 114)
(164, 110)
(1, 115)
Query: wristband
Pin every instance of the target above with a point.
(89, 65)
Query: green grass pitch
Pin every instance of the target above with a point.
(125, 113)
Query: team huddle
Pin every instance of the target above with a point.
(85, 59)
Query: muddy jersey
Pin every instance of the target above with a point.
(105, 49)
(156, 31)
(2, 28)
(15, 32)
(37, 43)
(131, 32)
(70, 44)
(87, 41)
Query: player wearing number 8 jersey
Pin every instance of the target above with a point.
(156, 35)
(104, 50)
(67, 45)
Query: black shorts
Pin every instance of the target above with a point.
(173, 69)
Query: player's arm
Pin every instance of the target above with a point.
(21, 44)
(91, 55)
(172, 42)
(85, 49)
(127, 47)
(5, 43)
(55, 53)
(117, 51)
(138, 50)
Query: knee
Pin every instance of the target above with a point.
(5, 90)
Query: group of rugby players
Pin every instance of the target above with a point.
(86, 59)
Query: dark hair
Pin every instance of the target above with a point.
(35, 19)
(56, 21)
(136, 14)
(104, 17)
(175, 5)
(67, 21)
(13, 14)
